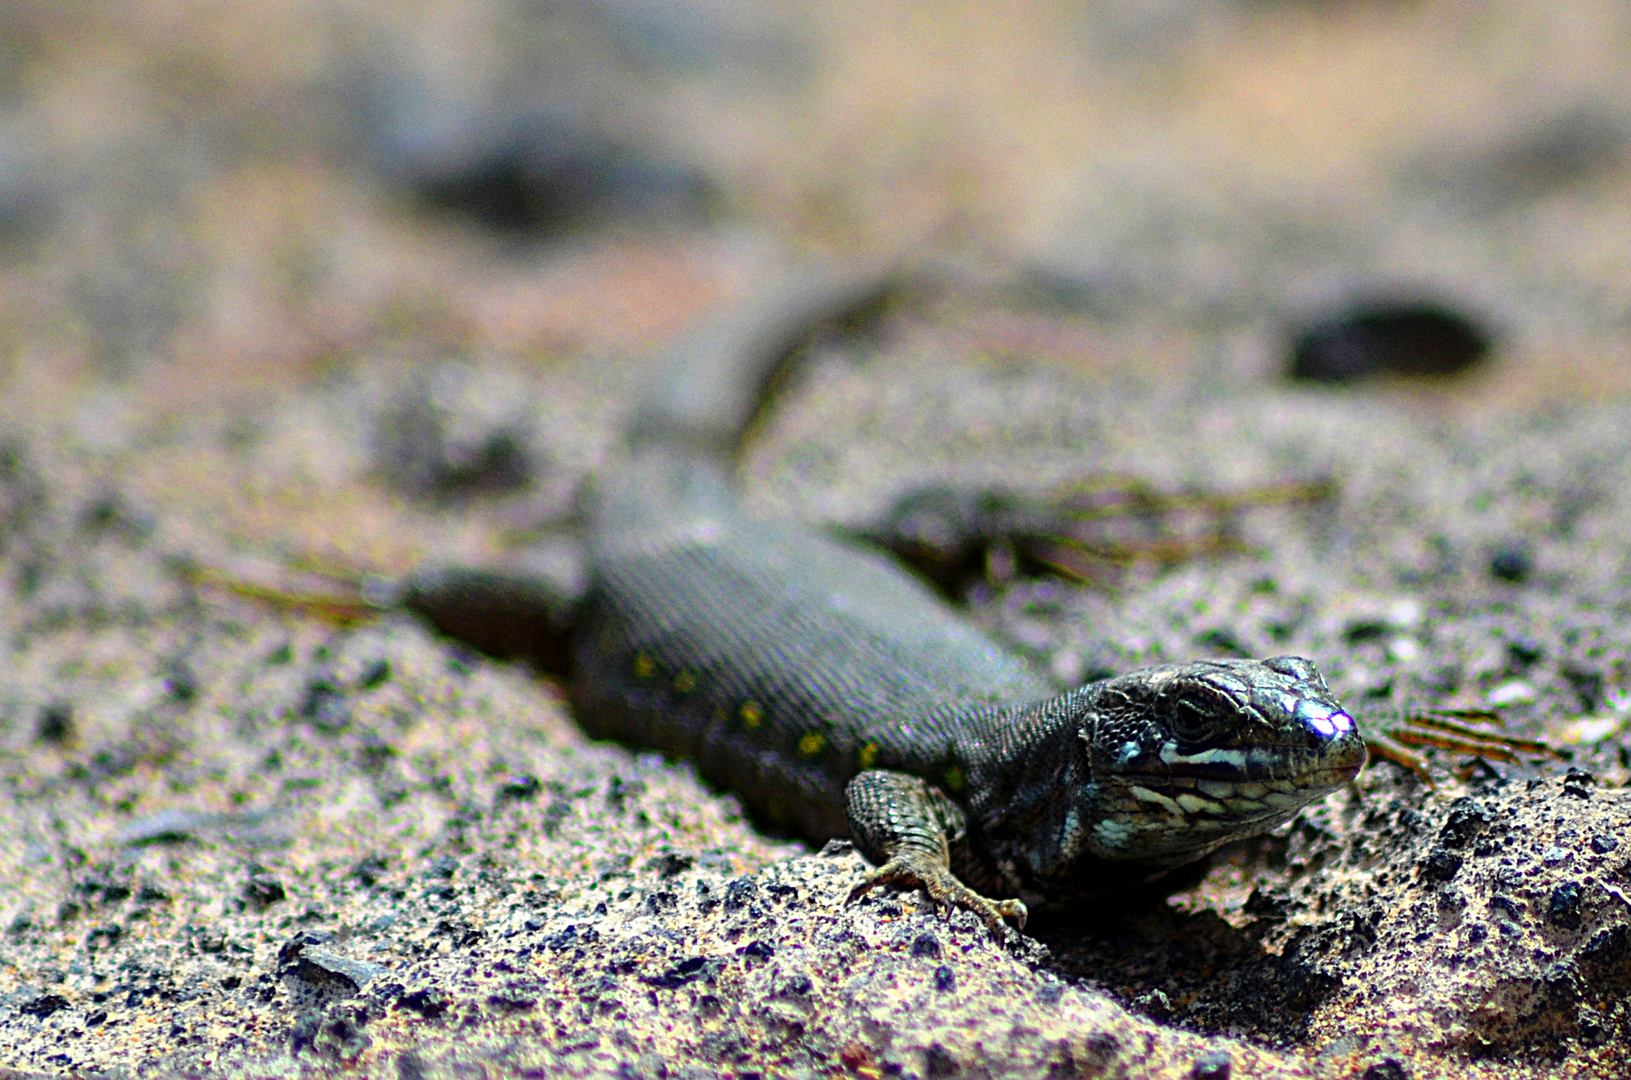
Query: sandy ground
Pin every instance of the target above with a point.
(252, 841)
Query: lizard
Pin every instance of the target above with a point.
(838, 695)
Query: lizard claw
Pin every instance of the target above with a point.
(911, 870)
(1466, 731)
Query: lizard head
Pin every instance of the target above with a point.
(1187, 757)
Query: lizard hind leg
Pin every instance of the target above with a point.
(1090, 530)
(907, 826)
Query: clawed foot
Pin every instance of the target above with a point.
(1087, 530)
(1115, 522)
(1463, 731)
(912, 871)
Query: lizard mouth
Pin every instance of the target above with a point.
(1210, 807)
(1254, 772)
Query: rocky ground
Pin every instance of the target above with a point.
(319, 285)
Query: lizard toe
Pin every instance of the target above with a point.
(944, 891)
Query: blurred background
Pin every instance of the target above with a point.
(202, 199)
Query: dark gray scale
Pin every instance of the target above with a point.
(780, 661)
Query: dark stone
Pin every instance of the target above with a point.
(945, 980)
(1440, 864)
(1267, 903)
(937, 1061)
(427, 1002)
(369, 871)
(1403, 336)
(328, 972)
(375, 674)
(104, 888)
(1511, 564)
(519, 788)
(511, 1001)
(56, 723)
(1213, 1065)
(290, 950)
(1154, 1003)
(1608, 947)
(1467, 818)
(180, 682)
(1386, 1069)
(109, 515)
(263, 890)
(325, 706)
(44, 1005)
(671, 863)
(687, 971)
(758, 950)
(109, 932)
(1362, 630)
(1562, 985)
(549, 180)
(1524, 652)
(1563, 907)
(926, 945)
(1603, 843)
(740, 893)
(1578, 783)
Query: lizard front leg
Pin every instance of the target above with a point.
(907, 827)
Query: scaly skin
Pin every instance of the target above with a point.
(839, 696)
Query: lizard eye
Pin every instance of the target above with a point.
(1198, 716)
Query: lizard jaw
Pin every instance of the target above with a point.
(1190, 807)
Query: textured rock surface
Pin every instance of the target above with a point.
(237, 331)
(252, 840)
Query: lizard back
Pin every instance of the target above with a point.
(779, 660)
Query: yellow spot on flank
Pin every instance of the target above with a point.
(812, 744)
(954, 779)
(751, 714)
(685, 682)
(645, 665)
(868, 756)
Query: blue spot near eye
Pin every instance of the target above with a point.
(1129, 753)
(1319, 717)
(1311, 710)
